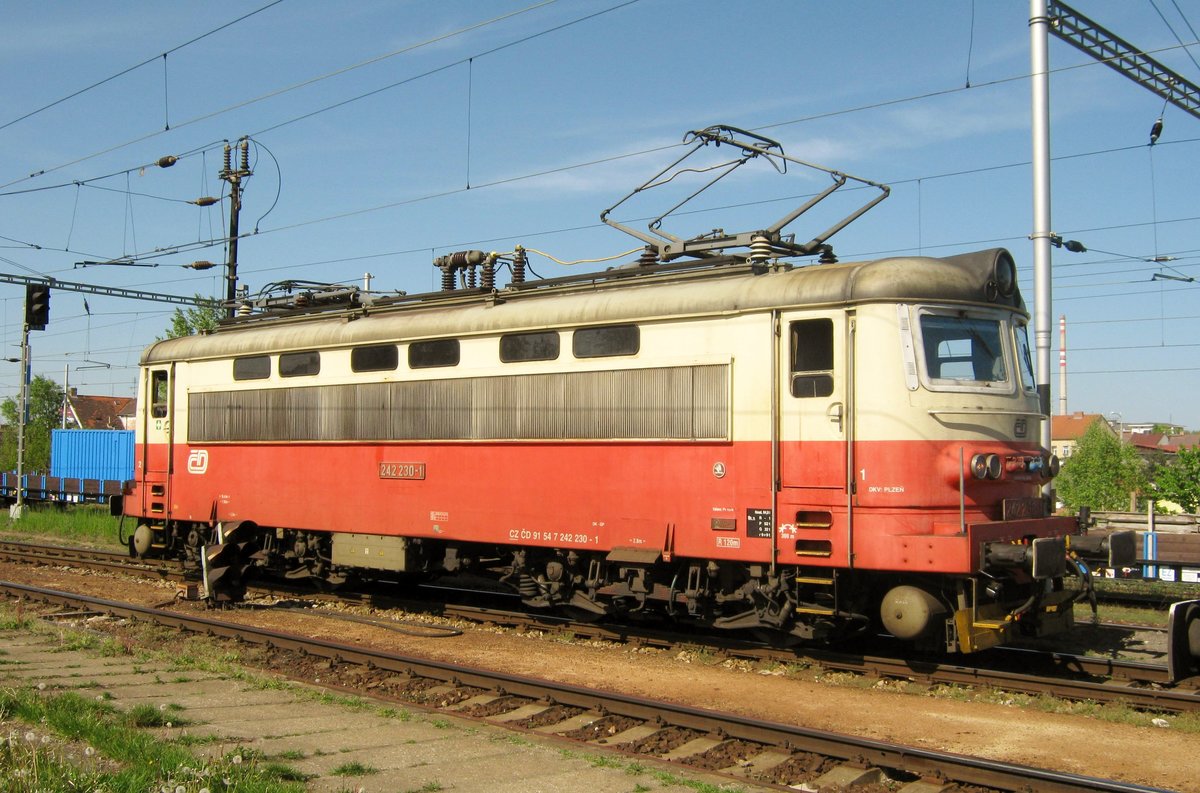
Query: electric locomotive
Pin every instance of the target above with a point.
(717, 433)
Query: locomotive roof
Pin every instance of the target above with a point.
(647, 296)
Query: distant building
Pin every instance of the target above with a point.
(1067, 429)
(1162, 442)
(98, 412)
(1138, 427)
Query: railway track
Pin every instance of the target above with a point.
(90, 558)
(1024, 671)
(766, 752)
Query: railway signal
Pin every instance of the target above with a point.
(37, 306)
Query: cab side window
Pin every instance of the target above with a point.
(811, 353)
(158, 394)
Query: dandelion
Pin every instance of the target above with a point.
(180, 789)
(237, 759)
(30, 736)
(89, 751)
(163, 707)
(41, 686)
(203, 790)
(45, 739)
(169, 725)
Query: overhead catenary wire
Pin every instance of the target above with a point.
(947, 245)
(310, 114)
(1171, 28)
(280, 91)
(218, 241)
(137, 66)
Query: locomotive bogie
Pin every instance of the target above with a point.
(767, 448)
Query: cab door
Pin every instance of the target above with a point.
(157, 439)
(815, 435)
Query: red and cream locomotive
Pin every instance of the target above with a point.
(729, 438)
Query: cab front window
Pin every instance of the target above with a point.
(961, 351)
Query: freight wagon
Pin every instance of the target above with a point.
(85, 466)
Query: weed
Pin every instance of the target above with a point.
(428, 787)
(354, 768)
(666, 778)
(284, 772)
(183, 739)
(121, 756)
(145, 715)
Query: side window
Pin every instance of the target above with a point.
(299, 364)
(158, 393)
(1025, 359)
(602, 342)
(811, 349)
(379, 358)
(427, 354)
(257, 367)
(540, 346)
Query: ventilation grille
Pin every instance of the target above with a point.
(675, 403)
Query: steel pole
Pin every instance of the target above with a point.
(1039, 27)
(22, 420)
(235, 208)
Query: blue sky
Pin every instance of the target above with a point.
(471, 124)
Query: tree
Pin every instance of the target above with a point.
(1103, 473)
(191, 321)
(45, 413)
(1179, 480)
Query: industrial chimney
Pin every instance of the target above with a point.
(1062, 365)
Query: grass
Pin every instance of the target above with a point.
(145, 715)
(353, 768)
(85, 524)
(428, 787)
(74, 743)
(1131, 615)
(1137, 586)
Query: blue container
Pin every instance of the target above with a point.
(92, 454)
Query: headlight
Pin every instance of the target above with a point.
(985, 466)
(1004, 273)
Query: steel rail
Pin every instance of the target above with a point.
(922, 762)
(1065, 675)
(1069, 676)
(108, 560)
